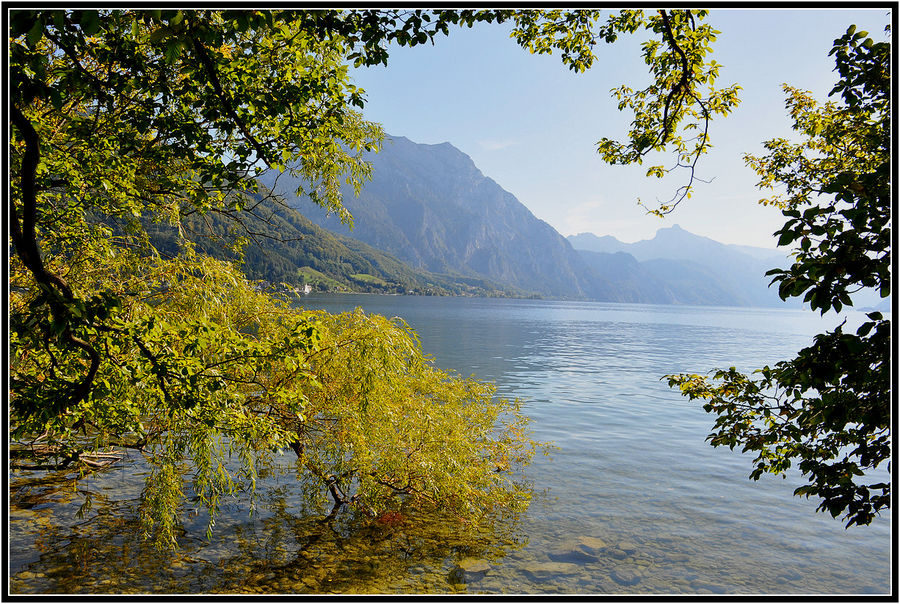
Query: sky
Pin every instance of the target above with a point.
(532, 125)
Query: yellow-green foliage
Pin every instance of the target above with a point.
(171, 114)
(390, 424)
(208, 378)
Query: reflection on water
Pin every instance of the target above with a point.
(633, 501)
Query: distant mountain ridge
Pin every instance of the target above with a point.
(675, 243)
(737, 272)
(432, 208)
(662, 281)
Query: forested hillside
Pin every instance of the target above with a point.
(283, 246)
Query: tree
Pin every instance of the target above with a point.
(110, 119)
(163, 115)
(124, 115)
(828, 409)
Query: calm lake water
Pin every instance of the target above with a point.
(632, 501)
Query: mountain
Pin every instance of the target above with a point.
(678, 244)
(761, 253)
(431, 207)
(728, 274)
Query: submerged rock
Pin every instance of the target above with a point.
(567, 554)
(628, 546)
(593, 545)
(627, 575)
(469, 570)
(580, 549)
(704, 586)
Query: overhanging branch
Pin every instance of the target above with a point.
(25, 241)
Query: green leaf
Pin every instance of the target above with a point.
(35, 33)
(90, 22)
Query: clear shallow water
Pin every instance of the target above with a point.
(632, 501)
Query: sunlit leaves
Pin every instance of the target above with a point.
(128, 115)
(159, 113)
(193, 356)
(207, 97)
(394, 431)
(836, 182)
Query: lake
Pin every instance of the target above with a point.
(633, 500)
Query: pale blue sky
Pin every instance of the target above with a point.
(532, 125)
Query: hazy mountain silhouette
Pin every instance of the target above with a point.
(682, 259)
(431, 207)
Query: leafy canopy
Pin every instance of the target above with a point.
(120, 115)
(828, 409)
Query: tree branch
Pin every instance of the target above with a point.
(25, 241)
(683, 82)
(226, 102)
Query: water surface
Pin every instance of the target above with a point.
(632, 501)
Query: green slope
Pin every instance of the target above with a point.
(285, 247)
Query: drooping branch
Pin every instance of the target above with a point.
(334, 488)
(91, 460)
(681, 89)
(23, 233)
